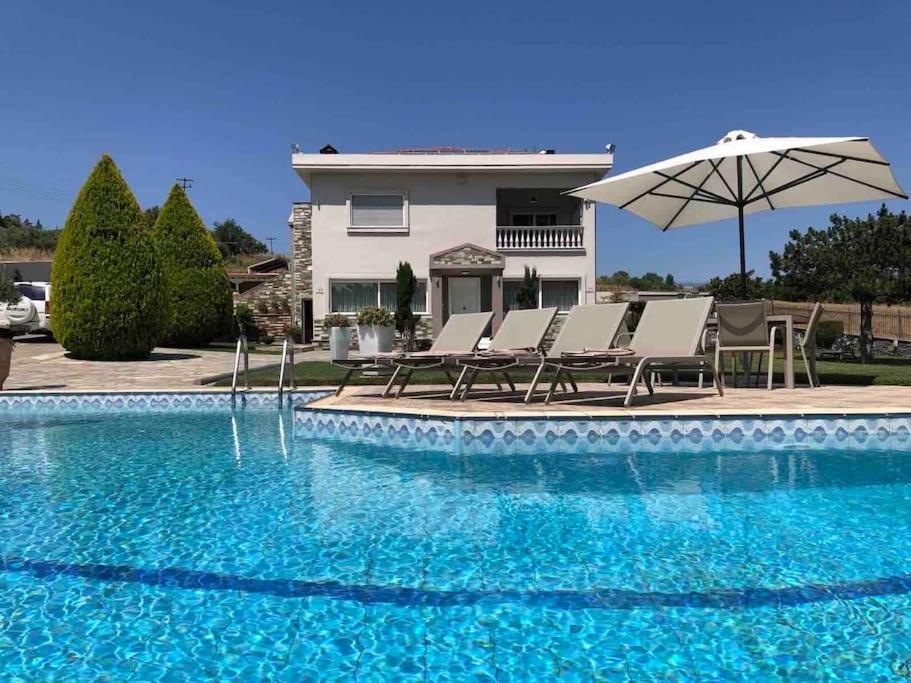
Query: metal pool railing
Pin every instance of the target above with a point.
(287, 356)
(241, 347)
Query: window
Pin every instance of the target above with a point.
(564, 294)
(33, 292)
(528, 219)
(350, 297)
(510, 294)
(418, 303)
(378, 211)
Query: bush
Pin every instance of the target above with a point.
(244, 322)
(8, 292)
(374, 315)
(527, 294)
(297, 334)
(405, 320)
(827, 331)
(109, 290)
(336, 320)
(729, 287)
(199, 293)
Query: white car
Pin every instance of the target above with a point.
(20, 317)
(39, 293)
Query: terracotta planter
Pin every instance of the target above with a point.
(6, 352)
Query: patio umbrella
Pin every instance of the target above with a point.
(744, 173)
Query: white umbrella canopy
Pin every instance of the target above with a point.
(744, 173)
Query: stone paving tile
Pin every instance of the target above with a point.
(45, 366)
(601, 401)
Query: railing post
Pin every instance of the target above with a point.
(246, 363)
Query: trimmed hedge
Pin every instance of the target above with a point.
(109, 301)
(199, 293)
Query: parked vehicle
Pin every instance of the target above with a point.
(39, 293)
(20, 317)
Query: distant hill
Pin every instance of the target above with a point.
(20, 238)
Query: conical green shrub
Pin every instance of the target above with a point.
(199, 292)
(109, 291)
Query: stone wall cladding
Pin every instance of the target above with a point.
(423, 332)
(279, 289)
(468, 256)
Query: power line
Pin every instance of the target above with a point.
(270, 240)
(185, 183)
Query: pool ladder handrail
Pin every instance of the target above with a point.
(287, 356)
(241, 347)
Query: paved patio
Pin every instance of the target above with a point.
(598, 400)
(41, 365)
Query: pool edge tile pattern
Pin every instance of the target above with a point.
(148, 400)
(509, 435)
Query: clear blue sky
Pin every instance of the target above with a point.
(217, 91)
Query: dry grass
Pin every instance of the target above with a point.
(26, 254)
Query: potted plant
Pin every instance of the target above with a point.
(339, 335)
(375, 330)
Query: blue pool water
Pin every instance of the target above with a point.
(193, 546)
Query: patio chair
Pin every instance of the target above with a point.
(668, 336)
(807, 345)
(517, 342)
(586, 343)
(459, 337)
(744, 328)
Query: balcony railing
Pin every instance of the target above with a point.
(549, 238)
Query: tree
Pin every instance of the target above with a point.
(527, 295)
(109, 292)
(405, 287)
(199, 293)
(232, 239)
(860, 259)
(728, 288)
(8, 292)
(20, 233)
(150, 216)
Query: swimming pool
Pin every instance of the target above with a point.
(188, 545)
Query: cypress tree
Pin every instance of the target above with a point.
(199, 292)
(109, 301)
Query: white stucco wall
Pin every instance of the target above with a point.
(445, 210)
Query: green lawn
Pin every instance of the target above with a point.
(883, 371)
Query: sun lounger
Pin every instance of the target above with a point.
(459, 337)
(586, 343)
(669, 335)
(517, 342)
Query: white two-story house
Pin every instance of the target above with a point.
(468, 222)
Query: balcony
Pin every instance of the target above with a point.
(540, 238)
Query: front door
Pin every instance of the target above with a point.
(464, 295)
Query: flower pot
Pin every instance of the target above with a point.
(6, 351)
(375, 338)
(339, 340)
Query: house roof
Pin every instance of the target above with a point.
(450, 159)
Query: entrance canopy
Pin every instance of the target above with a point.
(466, 278)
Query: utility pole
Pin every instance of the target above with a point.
(270, 240)
(185, 183)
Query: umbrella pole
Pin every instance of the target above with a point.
(743, 257)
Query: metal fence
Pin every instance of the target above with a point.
(889, 322)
